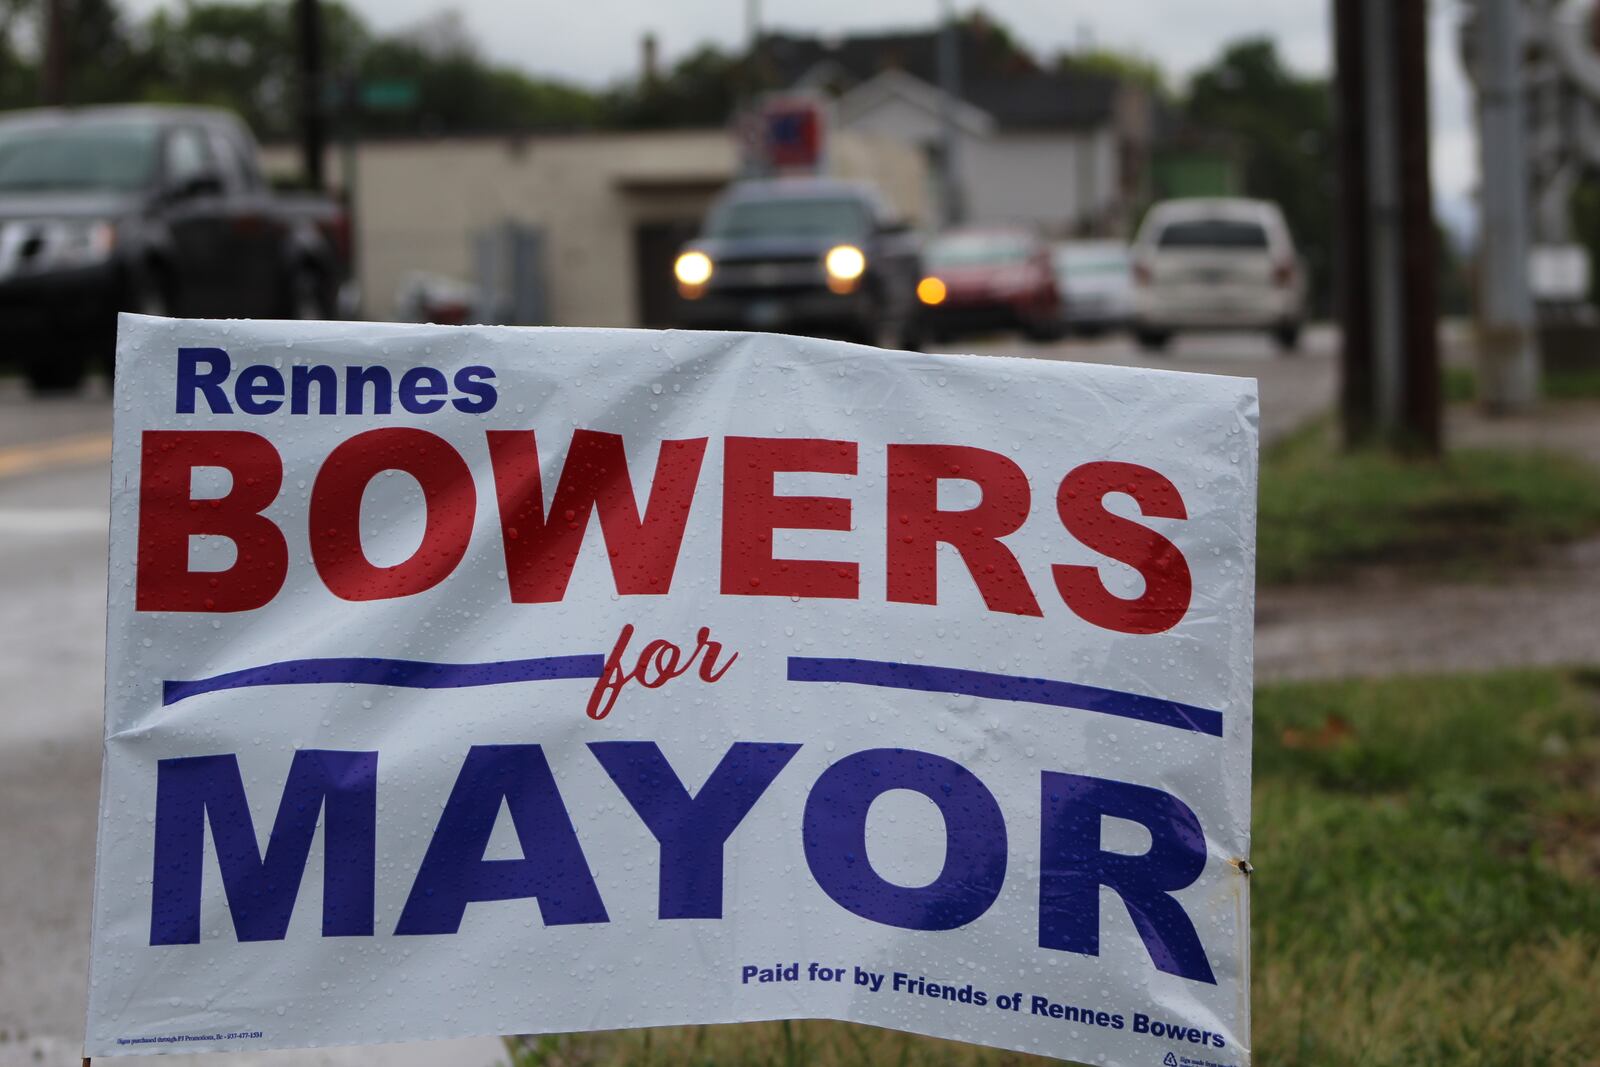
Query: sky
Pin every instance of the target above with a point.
(597, 41)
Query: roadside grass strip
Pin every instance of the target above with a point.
(1326, 512)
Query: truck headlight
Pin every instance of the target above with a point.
(693, 269)
(845, 262)
(77, 243)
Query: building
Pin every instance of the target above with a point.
(603, 213)
(1063, 151)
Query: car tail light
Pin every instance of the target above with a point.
(1142, 275)
(1283, 274)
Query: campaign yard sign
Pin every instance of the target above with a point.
(486, 680)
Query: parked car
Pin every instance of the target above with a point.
(161, 210)
(802, 255)
(1217, 264)
(989, 279)
(1095, 279)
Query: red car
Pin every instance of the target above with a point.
(989, 279)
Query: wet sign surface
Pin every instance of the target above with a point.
(471, 681)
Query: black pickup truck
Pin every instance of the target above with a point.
(802, 255)
(160, 210)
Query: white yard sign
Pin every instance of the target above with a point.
(478, 681)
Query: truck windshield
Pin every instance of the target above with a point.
(811, 217)
(109, 157)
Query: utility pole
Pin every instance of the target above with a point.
(53, 69)
(1421, 396)
(1508, 353)
(313, 110)
(955, 206)
(754, 75)
(1388, 307)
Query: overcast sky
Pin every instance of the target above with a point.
(597, 41)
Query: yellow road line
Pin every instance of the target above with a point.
(63, 452)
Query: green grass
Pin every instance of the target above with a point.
(1325, 511)
(1428, 885)
(1427, 891)
(1573, 385)
(1460, 384)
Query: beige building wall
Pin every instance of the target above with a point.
(420, 202)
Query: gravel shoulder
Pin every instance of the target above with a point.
(1384, 623)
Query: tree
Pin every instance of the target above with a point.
(1283, 123)
(1129, 67)
(700, 90)
(19, 76)
(459, 92)
(99, 51)
(240, 56)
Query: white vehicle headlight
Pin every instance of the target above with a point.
(846, 262)
(77, 243)
(693, 268)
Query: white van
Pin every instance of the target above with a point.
(1218, 263)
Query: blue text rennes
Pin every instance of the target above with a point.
(341, 788)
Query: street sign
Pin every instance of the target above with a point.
(392, 95)
(784, 134)
(475, 680)
(794, 133)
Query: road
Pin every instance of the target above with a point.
(53, 515)
(1293, 388)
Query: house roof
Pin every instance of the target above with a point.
(1046, 100)
(897, 84)
(996, 76)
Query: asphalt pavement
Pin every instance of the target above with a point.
(53, 512)
(1294, 387)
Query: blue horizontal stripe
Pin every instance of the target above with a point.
(404, 673)
(1007, 687)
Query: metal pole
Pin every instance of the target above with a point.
(313, 119)
(955, 208)
(1507, 352)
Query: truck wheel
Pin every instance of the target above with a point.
(900, 330)
(911, 337)
(152, 294)
(307, 295)
(57, 370)
(1044, 331)
(1153, 340)
(149, 292)
(1288, 338)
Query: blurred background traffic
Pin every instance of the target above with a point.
(988, 182)
(1385, 211)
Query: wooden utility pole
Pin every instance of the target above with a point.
(1386, 262)
(53, 69)
(313, 106)
(949, 63)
